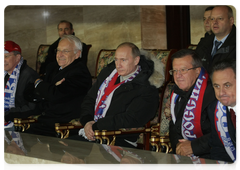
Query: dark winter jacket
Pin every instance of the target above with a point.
(218, 151)
(200, 145)
(27, 75)
(226, 51)
(133, 104)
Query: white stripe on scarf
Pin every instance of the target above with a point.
(10, 91)
(222, 128)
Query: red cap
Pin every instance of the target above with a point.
(10, 46)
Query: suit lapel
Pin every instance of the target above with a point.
(231, 129)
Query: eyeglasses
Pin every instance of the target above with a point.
(5, 56)
(63, 51)
(182, 71)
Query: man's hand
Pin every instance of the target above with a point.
(60, 82)
(2, 120)
(184, 148)
(88, 130)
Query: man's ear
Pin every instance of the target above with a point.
(198, 70)
(78, 54)
(231, 20)
(136, 60)
(18, 57)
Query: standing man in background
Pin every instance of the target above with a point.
(207, 20)
(222, 43)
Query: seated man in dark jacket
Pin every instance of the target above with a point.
(63, 88)
(222, 113)
(122, 97)
(17, 75)
(189, 129)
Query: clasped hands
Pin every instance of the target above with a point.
(60, 82)
(88, 130)
(184, 148)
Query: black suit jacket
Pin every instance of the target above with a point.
(226, 51)
(62, 103)
(218, 151)
(200, 145)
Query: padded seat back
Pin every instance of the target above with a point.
(42, 52)
(162, 55)
(104, 58)
(165, 110)
(165, 57)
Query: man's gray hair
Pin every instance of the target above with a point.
(16, 52)
(77, 42)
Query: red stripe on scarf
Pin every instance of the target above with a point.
(109, 89)
(197, 120)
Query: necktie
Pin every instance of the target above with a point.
(217, 44)
(233, 117)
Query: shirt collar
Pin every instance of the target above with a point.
(222, 40)
(123, 78)
(234, 108)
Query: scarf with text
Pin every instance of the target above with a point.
(221, 126)
(191, 121)
(11, 86)
(106, 91)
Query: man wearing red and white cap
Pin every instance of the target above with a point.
(17, 75)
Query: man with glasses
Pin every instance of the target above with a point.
(189, 129)
(222, 43)
(64, 28)
(14, 78)
(61, 93)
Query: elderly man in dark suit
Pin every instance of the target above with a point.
(61, 92)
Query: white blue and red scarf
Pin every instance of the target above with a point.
(106, 91)
(9, 100)
(221, 126)
(11, 86)
(191, 121)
